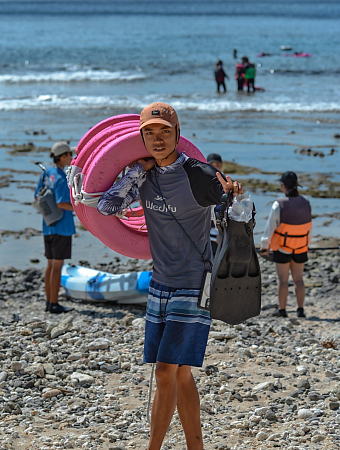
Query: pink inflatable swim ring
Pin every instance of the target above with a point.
(103, 154)
(94, 144)
(107, 123)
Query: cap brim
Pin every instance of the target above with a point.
(157, 120)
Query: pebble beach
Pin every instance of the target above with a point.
(77, 381)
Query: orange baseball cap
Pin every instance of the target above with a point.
(158, 113)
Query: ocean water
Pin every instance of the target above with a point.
(80, 55)
(68, 64)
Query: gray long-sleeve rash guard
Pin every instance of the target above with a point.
(189, 188)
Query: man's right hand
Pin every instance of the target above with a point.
(147, 163)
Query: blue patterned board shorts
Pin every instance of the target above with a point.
(176, 330)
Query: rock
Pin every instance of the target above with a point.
(49, 368)
(220, 336)
(81, 378)
(289, 401)
(36, 369)
(270, 416)
(318, 438)
(334, 405)
(336, 391)
(99, 344)
(294, 321)
(139, 323)
(314, 396)
(110, 368)
(125, 366)
(302, 370)
(207, 408)
(51, 393)
(305, 413)
(3, 376)
(74, 357)
(261, 436)
(265, 386)
(330, 374)
(210, 370)
(18, 365)
(274, 437)
(297, 393)
(62, 328)
(261, 411)
(303, 384)
(50, 326)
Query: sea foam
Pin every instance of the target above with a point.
(46, 101)
(74, 76)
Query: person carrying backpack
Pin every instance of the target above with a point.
(57, 236)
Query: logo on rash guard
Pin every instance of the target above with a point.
(160, 208)
(51, 181)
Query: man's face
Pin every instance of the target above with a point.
(65, 160)
(216, 164)
(160, 141)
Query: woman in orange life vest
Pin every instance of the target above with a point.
(288, 233)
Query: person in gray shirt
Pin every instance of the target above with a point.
(177, 193)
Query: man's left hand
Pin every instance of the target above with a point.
(229, 185)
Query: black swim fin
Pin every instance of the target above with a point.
(235, 293)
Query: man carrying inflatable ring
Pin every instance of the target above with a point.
(176, 193)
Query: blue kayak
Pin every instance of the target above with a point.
(89, 284)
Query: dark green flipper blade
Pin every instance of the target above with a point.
(236, 278)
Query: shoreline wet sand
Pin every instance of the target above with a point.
(78, 381)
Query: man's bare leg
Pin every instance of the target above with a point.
(164, 403)
(55, 277)
(188, 407)
(47, 279)
(282, 283)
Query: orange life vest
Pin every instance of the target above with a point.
(292, 235)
